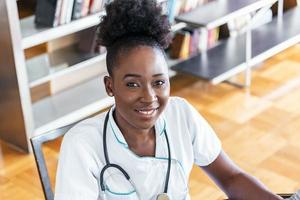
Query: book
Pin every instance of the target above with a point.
(194, 40)
(287, 4)
(188, 5)
(63, 12)
(57, 12)
(85, 8)
(96, 6)
(180, 45)
(213, 36)
(223, 32)
(77, 9)
(88, 41)
(45, 12)
(69, 11)
(171, 10)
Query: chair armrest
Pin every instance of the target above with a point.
(285, 195)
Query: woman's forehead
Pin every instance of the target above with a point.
(141, 60)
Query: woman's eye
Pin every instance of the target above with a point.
(132, 85)
(159, 83)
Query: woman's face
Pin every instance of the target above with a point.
(141, 88)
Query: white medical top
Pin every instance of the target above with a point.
(192, 141)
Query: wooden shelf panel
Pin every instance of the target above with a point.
(48, 66)
(219, 12)
(32, 35)
(228, 58)
(70, 105)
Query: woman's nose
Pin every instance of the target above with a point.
(149, 95)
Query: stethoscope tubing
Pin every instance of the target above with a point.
(108, 164)
(169, 163)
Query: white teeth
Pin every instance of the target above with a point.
(146, 112)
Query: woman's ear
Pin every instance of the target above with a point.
(108, 86)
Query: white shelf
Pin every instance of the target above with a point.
(32, 35)
(172, 73)
(70, 105)
(161, 1)
(178, 26)
(219, 12)
(48, 66)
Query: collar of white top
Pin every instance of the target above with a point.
(160, 126)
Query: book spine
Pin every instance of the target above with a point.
(185, 46)
(92, 6)
(45, 12)
(85, 8)
(77, 9)
(95, 6)
(172, 10)
(69, 11)
(87, 41)
(194, 40)
(63, 14)
(180, 45)
(57, 13)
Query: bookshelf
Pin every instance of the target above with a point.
(238, 54)
(48, 66)
(32, 36)
(22, 118)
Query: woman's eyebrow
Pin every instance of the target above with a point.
(139, 76)
(161, 74)
(131, 75)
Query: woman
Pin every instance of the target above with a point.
(144, 147)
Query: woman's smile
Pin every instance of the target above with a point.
(148, 113)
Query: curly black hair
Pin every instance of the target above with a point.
(131, 23)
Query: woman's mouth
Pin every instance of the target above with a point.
(147, 112)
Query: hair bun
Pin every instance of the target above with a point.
(129, 18)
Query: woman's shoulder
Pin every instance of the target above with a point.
(177, 104)
(179, 108)
(175, 100)
(86, 132)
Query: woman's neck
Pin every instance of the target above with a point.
(140, 141)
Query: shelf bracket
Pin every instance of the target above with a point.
(248, 51)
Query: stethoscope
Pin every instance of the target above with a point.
(162, 196)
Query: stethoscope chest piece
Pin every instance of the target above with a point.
(163, 196)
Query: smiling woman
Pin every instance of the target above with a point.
(140, 86)
(144, 147)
